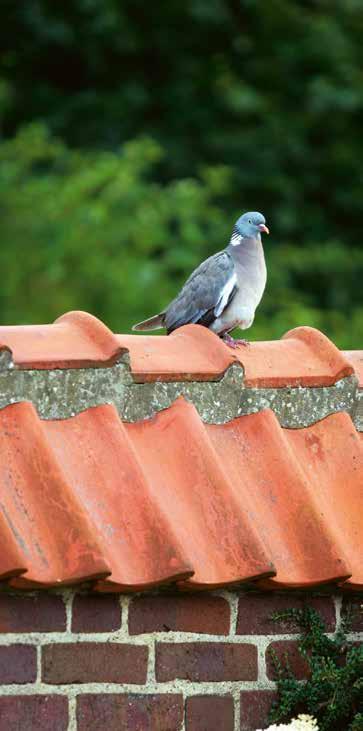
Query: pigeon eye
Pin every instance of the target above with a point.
(249, 220)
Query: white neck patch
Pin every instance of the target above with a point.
(236, 238)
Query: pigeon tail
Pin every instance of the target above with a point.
(153, 323)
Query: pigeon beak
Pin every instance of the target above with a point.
(263, 228)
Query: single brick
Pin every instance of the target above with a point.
(129, 712)
(202, 614)
(96, 613)
(18, 664)
(296, 662)
(94, 662)
(34, 713)
(352, 609)
(39, 613)
(206, 661)
(209, 713)
(255, 707)
(255, 610)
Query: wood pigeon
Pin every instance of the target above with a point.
(224, 291)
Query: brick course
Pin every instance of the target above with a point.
(209, 713)
(18, 664)
(206, 661)
(254, 613)
(164, 662)
(34, 713)
(113, 712)
(201, 614)
(96, 613)
(94, 662)
(40, 613)
(288, 648)
(254, 708)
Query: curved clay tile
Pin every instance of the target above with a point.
(355, 358)
(331, 454)
(108, 478)
(54, 538)
(158, 357)
(172, 499)
(303, 357)
(294, 485)
(193, 484)
(159, 515)
(12, 562)
(75, 340)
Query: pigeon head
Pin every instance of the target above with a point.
(250, 225)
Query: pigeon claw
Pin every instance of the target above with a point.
(242, 341)
(234, 343)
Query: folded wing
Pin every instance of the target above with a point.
(205, 295)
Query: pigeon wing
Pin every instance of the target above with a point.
(207, 292)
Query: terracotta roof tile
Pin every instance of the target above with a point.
(303, 357)
(305, 491)
(48, 525)
(130, 506)
(170, 498)
(75, 340)
(208, 357)
(355, 358)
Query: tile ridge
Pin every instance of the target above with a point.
(96, 332)
(328, 351)
(21, 429)
(190, 353)
(75, 340)
(302, 357)
(207, 470)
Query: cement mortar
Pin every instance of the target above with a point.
(60, 394)
(358, 411)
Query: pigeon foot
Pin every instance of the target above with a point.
(232, 342)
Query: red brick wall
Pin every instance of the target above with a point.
(150, 663)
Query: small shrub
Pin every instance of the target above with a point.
(333, 693)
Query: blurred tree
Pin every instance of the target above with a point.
(268, 96)
(275, 90)
(75, 227)
(92, 230)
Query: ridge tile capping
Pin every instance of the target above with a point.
(302, 357)
(355, 357)
(75, 340)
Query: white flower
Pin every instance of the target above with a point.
(304, 722)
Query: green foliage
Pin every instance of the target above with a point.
(134, 133)
(273, 90)
(333, 693)
(93, 230)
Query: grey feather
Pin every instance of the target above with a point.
(201, 293)
(152, 323)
